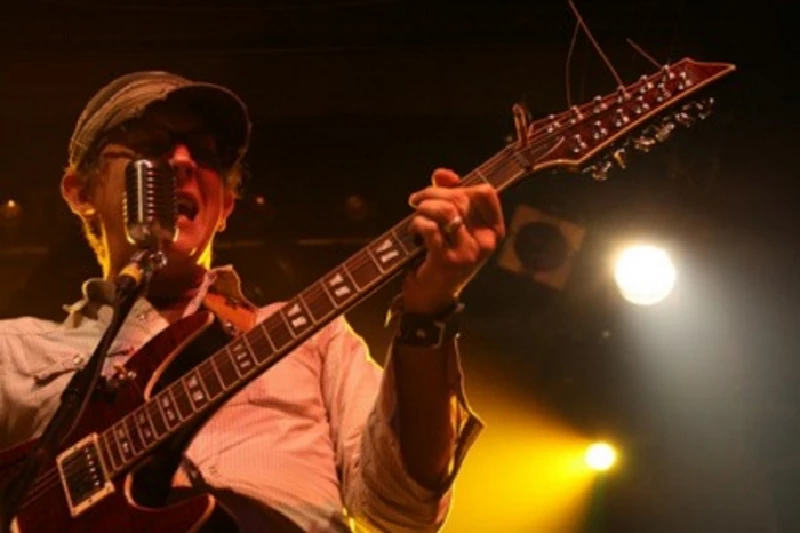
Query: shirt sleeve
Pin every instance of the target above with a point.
(378, 492)
(6, 376)
(21, 415)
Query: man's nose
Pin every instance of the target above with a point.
(181, 160)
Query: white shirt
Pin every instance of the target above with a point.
(312, 437)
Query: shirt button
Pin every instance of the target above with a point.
(77, 359)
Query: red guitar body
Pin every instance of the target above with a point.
(137, 503)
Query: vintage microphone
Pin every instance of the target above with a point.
(150, 213)
(149, 206)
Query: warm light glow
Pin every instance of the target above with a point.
(526, 471)
(9, 209)
(600, 456)
(644, 274)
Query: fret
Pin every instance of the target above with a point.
(105, 453)
(260, 344)
(319, 301)
(364, 269)
(197, 394)
(297, 316)
(121, 434)
(276, 328)
(224, 364)
(133, 434)
(242, 358)
(478, 172)
(265, 335)
(396, 235)
(410, 240)
(506, 172)
(145, 427)
(340, 286)
(156, 417)
(387, 251)
(520, 159)
(102, 444)
(113, 448)
(210, 378)
(182, 400)
(167, 405)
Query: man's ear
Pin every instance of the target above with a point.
(75, 193)
(228, 201)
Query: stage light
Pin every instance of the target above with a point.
(644, 274)
(600, 456)
(10, 209)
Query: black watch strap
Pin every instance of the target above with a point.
(429, 331)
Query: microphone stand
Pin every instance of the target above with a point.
(130, 284)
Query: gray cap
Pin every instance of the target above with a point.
(128, 96)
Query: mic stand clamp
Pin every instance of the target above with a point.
(135, 277)
(132, 281)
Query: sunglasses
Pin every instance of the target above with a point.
(159, 143)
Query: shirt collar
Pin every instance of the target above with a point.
(98, 294)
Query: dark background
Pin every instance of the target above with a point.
(366, 98)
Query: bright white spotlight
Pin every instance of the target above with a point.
(644, 274)
(600, 456)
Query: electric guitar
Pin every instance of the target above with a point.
(115, 470)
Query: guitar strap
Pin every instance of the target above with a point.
(238, 314)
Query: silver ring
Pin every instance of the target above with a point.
(453, 226)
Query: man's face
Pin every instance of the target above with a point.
(175, 136)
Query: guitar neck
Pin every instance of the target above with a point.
(206, 386)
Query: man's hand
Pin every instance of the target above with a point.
(461, 227)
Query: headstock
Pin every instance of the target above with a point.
(640, 115)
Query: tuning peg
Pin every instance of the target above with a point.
(598, 131)
(684, 81)
(663, 132)
(641, 105)
(619, 156)
(575, 115)
(643, 144)
(579, 145)
(704, 108)
(620, 118)
(600, 170)
(599, 105)
(684, 119)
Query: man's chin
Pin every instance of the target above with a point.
(180, 270)
(183, 253)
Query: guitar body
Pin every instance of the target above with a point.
(138, 501)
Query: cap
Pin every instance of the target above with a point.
(127, 96)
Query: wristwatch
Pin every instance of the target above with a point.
(429, 331)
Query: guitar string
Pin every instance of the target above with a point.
(50, 478)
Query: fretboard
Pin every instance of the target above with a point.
(250, 354)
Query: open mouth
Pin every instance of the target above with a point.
(187, 206)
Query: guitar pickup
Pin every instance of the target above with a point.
(83, 474)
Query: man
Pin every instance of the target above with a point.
(325, 437)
